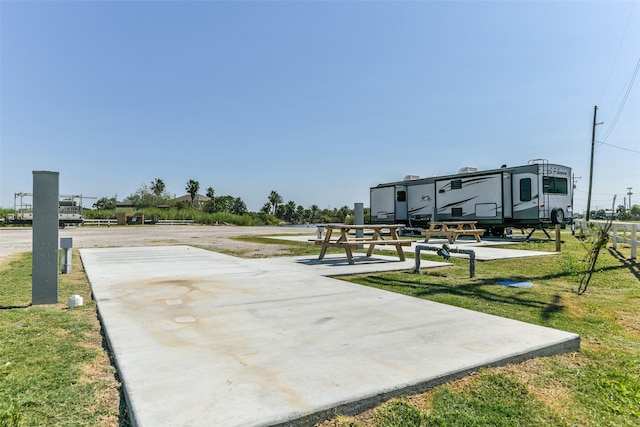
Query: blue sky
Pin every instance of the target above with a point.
(317, 100)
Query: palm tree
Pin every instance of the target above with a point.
(211, 192)
(192, 188)
(275, 199)
(157, 186)
(314, 212)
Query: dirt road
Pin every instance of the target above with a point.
(19, 239)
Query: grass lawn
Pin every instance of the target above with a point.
(54, 369)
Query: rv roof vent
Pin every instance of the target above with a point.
(468, 169)
(411, 177)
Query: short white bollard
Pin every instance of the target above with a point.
(75, 301)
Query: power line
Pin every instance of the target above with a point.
(624, 101)
(619, 148)
(615, 60)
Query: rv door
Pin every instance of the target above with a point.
(401, 203)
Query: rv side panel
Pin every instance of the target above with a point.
(382, 203)
(470, 197)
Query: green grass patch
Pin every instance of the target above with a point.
(598, 386)
(54, 370)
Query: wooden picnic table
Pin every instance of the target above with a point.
(348, 241)
(452, 230)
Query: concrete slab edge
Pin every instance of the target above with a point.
(114, 361)
(370, 402)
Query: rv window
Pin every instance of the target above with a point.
(456, 211)
(525, 189)
(456, 184)
(401, 196)
(554, 185)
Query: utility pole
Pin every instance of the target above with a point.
(629, 193)
(593, 144)
(573, 190)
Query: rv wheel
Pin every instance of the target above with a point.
(497, 231)
(557, 216)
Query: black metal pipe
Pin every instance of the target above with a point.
(445, 252)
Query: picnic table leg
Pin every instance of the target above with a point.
(400, 252)
(327, 238)
(347, 249)
(370, 251)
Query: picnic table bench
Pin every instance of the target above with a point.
(452, 230)
(347, 241)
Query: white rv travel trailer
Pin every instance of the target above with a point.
(533, 195)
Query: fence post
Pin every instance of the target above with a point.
(634, 241)
(614, 236)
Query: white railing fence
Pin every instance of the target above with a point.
(621, 232)
(175, 221)
(106, 222)
(109, 222)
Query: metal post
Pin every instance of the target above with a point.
(44, 284)
(634, 241)
(359, 220)
(66, 243)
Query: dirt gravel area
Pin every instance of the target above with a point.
(19, 239)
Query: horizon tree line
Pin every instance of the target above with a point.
(156, 196)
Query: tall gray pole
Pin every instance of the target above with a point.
(44, 281)
(593, 143)
(359, 220)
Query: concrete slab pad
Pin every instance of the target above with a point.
(201, 338)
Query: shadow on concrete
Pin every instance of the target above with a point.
(520, 296)
(342, 261)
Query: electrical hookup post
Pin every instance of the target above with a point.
(44, 284)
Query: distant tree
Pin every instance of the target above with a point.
(266, 208)
(291, 211)
(275, 199)
(224, 203)
(343, 212)
(300, 214)
(210, 205)
(314, 212)
(192, 188)
(211, 193)
(143, 198)
(157, 187)
(105, 203)
(238, 207)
